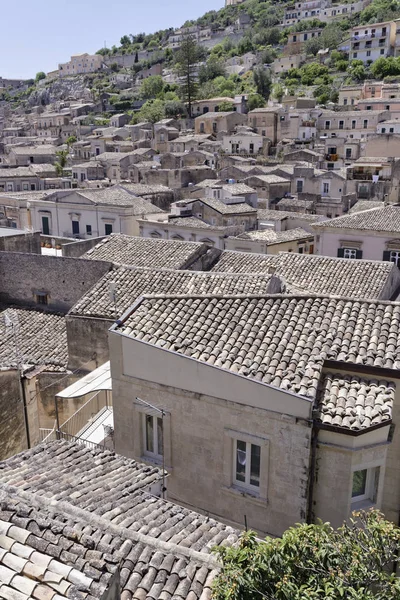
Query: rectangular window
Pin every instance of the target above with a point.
(299, 186)
(391, 130)
(365, 123)
(108, 228)
(345, 101)
(153, 436)
(327, 124)
(325, 188)
(348, 152)
(246, 464)
(45, 226)
(395, 256)
(353, 124)
(349, 253)
(42, 298)
(88, 230)
(365, 485)
(75, 227)
(341, 124)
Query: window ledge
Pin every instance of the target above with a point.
(250, 495)
(154, 461)
(362, 505)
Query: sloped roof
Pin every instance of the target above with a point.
(84, 513)
(116, 196)
(145, 252)
(354, 402)
(377, 219)
(41, 340)
(314, 274)
(275, 237)
(133, 283)
(278, 340)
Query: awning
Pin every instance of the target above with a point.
(97, 380)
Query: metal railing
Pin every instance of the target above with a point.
(47, 435)
(84, 415)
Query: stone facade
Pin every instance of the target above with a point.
(26, 277)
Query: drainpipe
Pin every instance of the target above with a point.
(311, 478)
(25, 408)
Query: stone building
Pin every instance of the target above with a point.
(270, 401)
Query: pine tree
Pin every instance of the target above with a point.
(186, 61)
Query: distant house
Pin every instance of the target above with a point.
(81, 63)
(213, 123)
(371, 234)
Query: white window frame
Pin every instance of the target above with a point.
(152, 454)
(349, 253)
(246, 483)
(368, 495)
(395, 257)
(325, 187)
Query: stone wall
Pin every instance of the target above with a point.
(28, 242)
(63, 280)
(87, 342)
(200, 426)
(12, 429)
(77, 249)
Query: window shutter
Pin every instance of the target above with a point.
(358, 253)
(386, 255)
(340, 252)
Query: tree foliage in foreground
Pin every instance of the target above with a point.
(314, 562)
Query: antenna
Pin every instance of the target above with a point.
(112, 293)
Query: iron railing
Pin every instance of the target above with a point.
(84, 415)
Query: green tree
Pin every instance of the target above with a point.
(211, 69)
(255, 101)
(61, 163)
(175, 109)
(70, 140)
(151, 87)
(151, 112)
(226, 106)
(384, 67)
(278, 91)
(39, 76)
(262, 80)
(314, 562)
(356, 70)
(312, 71)
(186, 60)
(125, 40)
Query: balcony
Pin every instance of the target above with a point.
(366, 176)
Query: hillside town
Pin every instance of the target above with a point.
(200, 302)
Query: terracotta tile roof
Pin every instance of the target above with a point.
(275, 237)
(265, 214)
(131, 284)
(41, 340)
(365, 205)
(228, 209)
(296, 203)
(279, 340)
(142, 189)
(376, 219)
(314, 274)
(243, 262)
(96, 519)
(354, 402)
(115, 196)
(146, 252)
